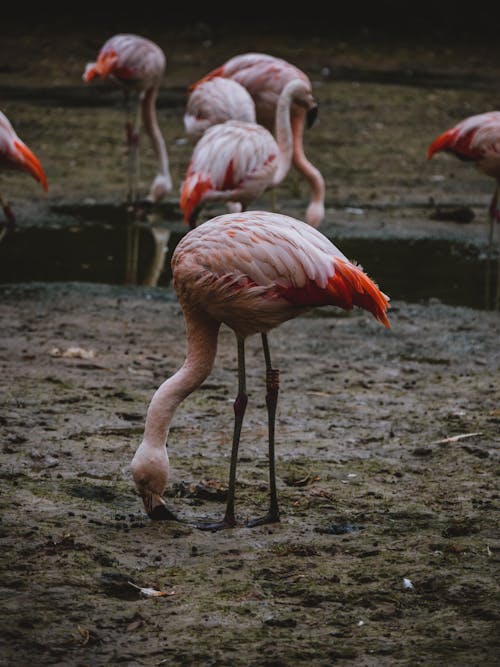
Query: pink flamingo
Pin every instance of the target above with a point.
(265, 77)
(251, 271)
(237, 161)
(137, 64)
(15, 154)
(476, 139)
(215, 101)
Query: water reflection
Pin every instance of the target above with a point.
(121, 245)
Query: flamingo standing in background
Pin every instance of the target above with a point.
(265, 76)
(237, 161)
(251, 271)
(215, 101)
(477, 139)
(15, 154)
(137, 64)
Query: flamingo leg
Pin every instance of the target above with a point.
(494, 212)
(272, 385)
(240, 404)
(133, 130)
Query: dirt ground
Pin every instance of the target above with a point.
(387, 440)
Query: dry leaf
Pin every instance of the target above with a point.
(134, 625)
(84, 632)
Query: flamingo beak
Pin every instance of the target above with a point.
(32, 164)
(157, 509)
(311, 116)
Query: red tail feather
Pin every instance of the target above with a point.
(191, 195)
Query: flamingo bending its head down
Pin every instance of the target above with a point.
(16, 155)
(265, 77)
(237, 161)
(251, 271)
(215, 101)
(137, 64)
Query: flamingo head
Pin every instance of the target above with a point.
(150, 468)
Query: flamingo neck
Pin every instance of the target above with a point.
(316, 209)
(202, 336)
(284, 136)
(163, 180)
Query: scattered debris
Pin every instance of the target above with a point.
(73, 352)
(455, 438)
(151, 592)
(463, 214)
(407, 584)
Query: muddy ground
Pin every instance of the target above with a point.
(387, 551)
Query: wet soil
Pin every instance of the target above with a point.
(387, 440)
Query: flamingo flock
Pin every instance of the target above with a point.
(248, 270)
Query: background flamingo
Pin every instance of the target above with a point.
(251, 271)
(265, 76)
(15, 154)
(215, 101)
(237, 161)
(137, 64)
(477, 139)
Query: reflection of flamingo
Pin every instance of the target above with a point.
(264, 77)
(236, 161)
(476, 139)
(215, 101)
(251, 271)
(137, 64)
(15, 154)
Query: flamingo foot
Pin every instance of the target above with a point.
(271, 517)
(162, 513)
(227, 522)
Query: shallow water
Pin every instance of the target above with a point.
(109, 247)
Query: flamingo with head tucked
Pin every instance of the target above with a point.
(251, 271)
(265, 77)
(215, 101)
(476, 139)
(16, 155)
(137, 64)
(237, 161)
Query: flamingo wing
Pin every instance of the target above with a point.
(275, 263)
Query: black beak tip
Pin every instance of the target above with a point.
(162, 513)
(312, 114)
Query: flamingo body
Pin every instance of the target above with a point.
(265, 77)
(233, 161)
(137, 64)
(251, 271)
(475, 139)
(16, 155)
(215, 101)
